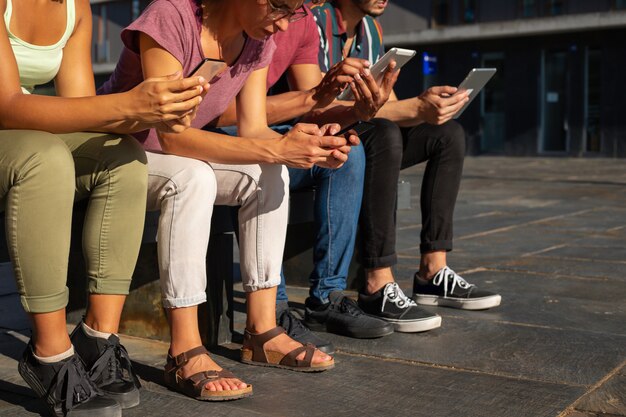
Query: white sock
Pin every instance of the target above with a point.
(56, 358)
(94, 333)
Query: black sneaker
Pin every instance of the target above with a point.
(447, 288)
(299, 332)
(109, 366)
(390, 304)
(66, 388)
(341, 315)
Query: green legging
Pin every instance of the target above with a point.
(41, 175)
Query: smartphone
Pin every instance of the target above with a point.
(474, 83)
(401, 56)
(209, 69)
(361, 127)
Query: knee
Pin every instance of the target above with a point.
(385, 141)
(355, 165)
(273, 182)
(129, 165)
(453, 139)
(46, 155)
(272, 176)
(196, 180)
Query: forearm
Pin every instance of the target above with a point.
(63, 115)
(218, 148)
(341, 112)
(405, 113)
(288, 106)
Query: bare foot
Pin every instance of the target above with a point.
(285, 344)
(205, 363)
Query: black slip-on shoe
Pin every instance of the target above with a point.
(342, 315)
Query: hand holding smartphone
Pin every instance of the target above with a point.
(401, 56)
(209, 69)
(360, 127)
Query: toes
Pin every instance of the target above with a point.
(237, 384)
(320, 356)
(230, 385)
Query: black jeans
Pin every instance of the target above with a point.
(389, 149)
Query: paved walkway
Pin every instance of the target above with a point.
(548, 234)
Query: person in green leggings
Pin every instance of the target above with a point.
(52, 155)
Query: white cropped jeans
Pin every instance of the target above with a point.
(185, 191)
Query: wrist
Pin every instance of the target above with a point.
(269, 150)
(310, 99)
(418, 108)
(123, 105)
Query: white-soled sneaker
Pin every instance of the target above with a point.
(390, 304)
(449, 289)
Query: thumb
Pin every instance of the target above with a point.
(446, 89)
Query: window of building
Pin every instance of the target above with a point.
(554, 7)
(593, 88)
(469, 11)
(529, 8)
(441, 11)
(100, 42)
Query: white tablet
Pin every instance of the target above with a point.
(473, 83)
(401, 56)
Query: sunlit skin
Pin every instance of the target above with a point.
(77, 108)
(222, 38)
(372, 8)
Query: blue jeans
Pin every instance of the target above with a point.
(338, 195)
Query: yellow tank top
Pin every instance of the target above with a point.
(39, 64)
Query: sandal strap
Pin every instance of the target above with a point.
(202, 378)
(179, 361)
(290, 358)
(257, 341)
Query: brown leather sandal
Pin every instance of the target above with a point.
(254, 353)
(195, 385)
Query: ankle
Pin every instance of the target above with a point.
(54, 358)
(377, 278)
(47, 350)
(431, 263)
(93, 332)
(179, 346)
(258, 328)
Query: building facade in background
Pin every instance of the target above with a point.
(560, 88)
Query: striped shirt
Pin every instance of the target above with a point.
(368, 42)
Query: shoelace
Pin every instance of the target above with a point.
(288, 321)
(110, 366)
(446, 275)
(349, 306)
(394, 294)
(78, 387)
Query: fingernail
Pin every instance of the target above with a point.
(368, 64)
(366, 71)
(357, 77)
(201, 80)
(200, 99)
